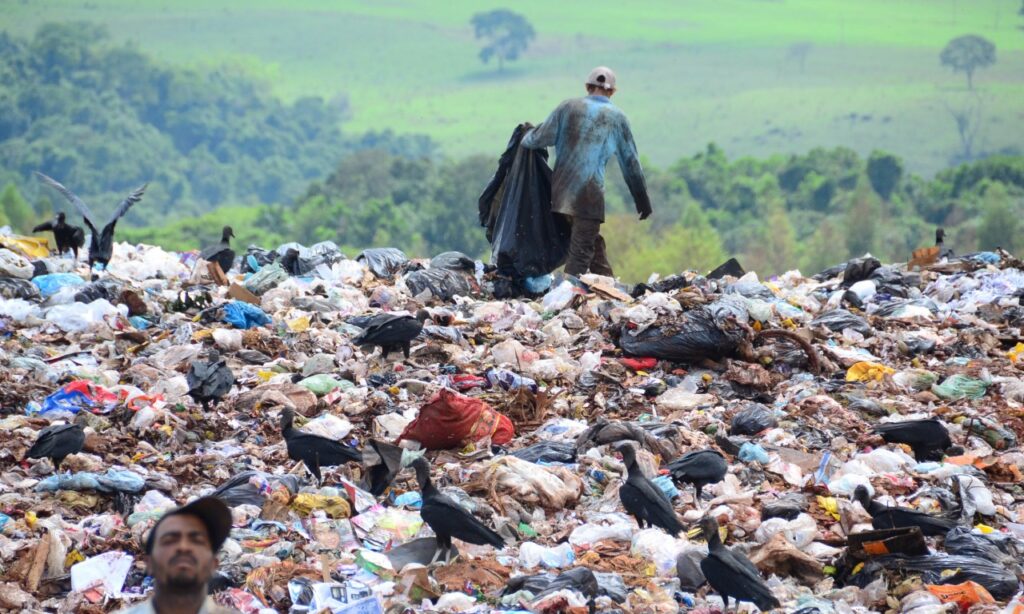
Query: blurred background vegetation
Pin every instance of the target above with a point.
(789, 133)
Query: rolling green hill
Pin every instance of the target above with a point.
(690, 72)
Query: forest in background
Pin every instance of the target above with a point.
(218, 147)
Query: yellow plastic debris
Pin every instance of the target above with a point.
(1015, 353)
(299, 325)
(199, 335)
(335, 507)
(830, 505)
(984, 528)
(868, 371)
(73, 557)
(29, 247)
(31, 519)
(265, 375)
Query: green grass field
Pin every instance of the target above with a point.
(690, 71)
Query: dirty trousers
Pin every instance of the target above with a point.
(587, 249)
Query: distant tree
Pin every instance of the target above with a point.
(798, 52)
(968, 122)
(884, 171)
(508, 34)
(17, 211)
(967, 54)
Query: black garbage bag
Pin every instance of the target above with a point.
(688, 569)
(453, 261)
(830, 272)
(442, 283)
(528, 240)
(239, 490)
(548, 452)
(39, 268)
(787, 507)
(859, 269)
(673, 282)
(750, 289)
(695, 336)
(1000, 581)
(489, 202)
(298, 259)
(752, 419)
(839, 319)
(730, 267)
(262, 257)
(106, 289)
(383, 461)
(12, 287)
(995, 547)
(579, 579)
(893, 307)
(383, 262)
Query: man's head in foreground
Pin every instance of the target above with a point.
(181, 550)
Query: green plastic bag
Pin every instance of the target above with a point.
(961, 387)
(323, 383)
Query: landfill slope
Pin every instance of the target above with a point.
(854, 434)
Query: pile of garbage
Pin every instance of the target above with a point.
(857, 431)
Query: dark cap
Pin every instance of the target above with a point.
(211, 511)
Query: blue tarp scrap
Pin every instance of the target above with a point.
(245, 316)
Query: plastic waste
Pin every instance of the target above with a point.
(245, 316)
(538, 284)
(76, 396)
(559, 297)
(953, 569)
(548, 452)
(961, 386)
(839, 320)
(13, 265)
(697, 336)
(753, 419)
(451, 420)
(114, 480)
(866, 371)
(383, 262)
(751, 452)
(533, 555)
(265, 278)
(508, 380)
(324, 383)
(77, 317)
(107, 571)
(915, 379)
(453, 261)
(443, 284)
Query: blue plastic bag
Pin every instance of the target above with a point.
(73, 398)
(53, 283)
(245, 316)
(114, 480)
(751, 452)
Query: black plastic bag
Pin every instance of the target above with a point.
(442, 283)
(945, 569)
(961, 541)
(12, 287)
(528, 239)
(730, 267)
(788, 507)
(490, 200)
(106, 289)
(752, 419)
(695, 336)
(673, 282)
(238, 490)
(548, 452)
(383, 262)
(579, 579)
(262, 257)
(838, 319)
(859, 269)
(453, 261)
(750, 289)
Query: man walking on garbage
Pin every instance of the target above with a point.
(585, 133)
(181, 556)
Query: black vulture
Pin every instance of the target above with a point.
(66, 236)
(732, 574)
(313, 450)
(642, 499)
(885, 517)
(59, 441)
(101, 245)
(209, 381)
(448, 519)
(221, 253)
(392, 332)
(700, 468)
(929, 439)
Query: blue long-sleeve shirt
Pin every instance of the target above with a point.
(585, 133)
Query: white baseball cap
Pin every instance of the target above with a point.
(602, 77)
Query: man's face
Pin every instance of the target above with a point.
(182, 557)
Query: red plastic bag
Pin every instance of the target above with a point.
(640, 364)
(451, 420)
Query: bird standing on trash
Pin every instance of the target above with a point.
(209, 381)
(313, 450)
(101, 243)
(392, 332)
(699, 468)
(58, 441)
(643, 499)
(221, 253)
(448, 519)
(67, 236)
(731, 574)
(929, 439)
(885, 517)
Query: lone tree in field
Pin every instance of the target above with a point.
(508, 34)
(968, 53)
